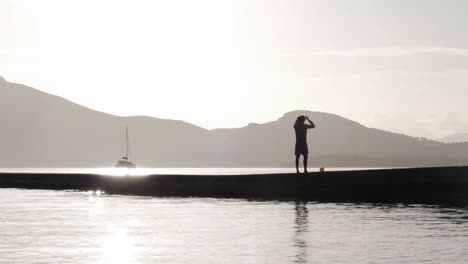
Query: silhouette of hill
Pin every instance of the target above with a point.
(455, 138)
(42, 130)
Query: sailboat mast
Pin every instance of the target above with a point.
(126, 143)
(126, 162)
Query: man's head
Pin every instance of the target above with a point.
(301, 119)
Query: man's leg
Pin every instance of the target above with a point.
(297, 163)
(305, 163)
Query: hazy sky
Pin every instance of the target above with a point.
(396, 65)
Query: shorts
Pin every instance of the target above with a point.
(301, 149)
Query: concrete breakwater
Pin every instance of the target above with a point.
(440, 185)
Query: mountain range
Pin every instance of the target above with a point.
(42, 130)
(455, 138)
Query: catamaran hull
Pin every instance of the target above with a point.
(125, 164)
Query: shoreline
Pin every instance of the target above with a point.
(432, 185)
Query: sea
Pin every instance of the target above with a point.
(45, 226)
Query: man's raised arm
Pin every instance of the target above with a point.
(312, 125)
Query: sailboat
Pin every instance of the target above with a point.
(125, 161)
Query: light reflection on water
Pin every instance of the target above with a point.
(87, 227)
(118, 247)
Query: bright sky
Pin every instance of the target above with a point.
(395, 65)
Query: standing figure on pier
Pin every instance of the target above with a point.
(300, 128)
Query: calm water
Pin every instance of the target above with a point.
(38, 226)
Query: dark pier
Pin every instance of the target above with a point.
(441, 185)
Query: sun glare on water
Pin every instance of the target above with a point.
(121, 172)
(118, 246)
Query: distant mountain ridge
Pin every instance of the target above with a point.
(455, 138)
(42, 130)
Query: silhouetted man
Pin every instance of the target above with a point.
(301, 140)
